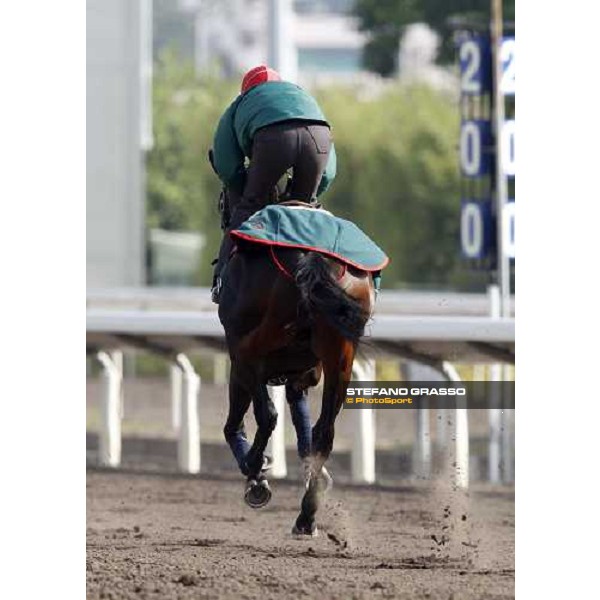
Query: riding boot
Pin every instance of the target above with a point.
(224, 252)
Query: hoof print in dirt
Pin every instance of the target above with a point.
(187, 580)
(337, 541)
(441, 541)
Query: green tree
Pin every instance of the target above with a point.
(398, 178)
(182, 190)
(385, 20)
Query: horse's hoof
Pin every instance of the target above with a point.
(258, 493)
(324, 479)
(305, 531)
(250, 470)
(267, 464)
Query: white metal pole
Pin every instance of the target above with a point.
(188, 447)
(282, 54)
(442, 427)
(508, 475)
(363, 446)
(495, 411)
(495, 426)
(116, 357)
(363, 453)
(444, 424)
(459, 454)
(110, 423)
(277, 441)
(422, 451)
(508, 414)
(501, 182)
(176, 379)
(146, 64)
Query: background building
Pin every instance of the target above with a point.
(319, 36)
(118, 126)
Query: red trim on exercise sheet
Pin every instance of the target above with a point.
(249, 238)
(282, 268)
(279, 265)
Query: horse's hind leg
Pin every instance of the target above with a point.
(337, 355)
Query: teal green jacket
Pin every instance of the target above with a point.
(264, 104)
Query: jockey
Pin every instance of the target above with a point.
(278, 126)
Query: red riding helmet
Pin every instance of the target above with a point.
(258, 75)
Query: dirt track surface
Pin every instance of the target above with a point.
(175, 537)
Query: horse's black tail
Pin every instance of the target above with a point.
(321, 294)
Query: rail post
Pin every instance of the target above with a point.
(188, 446)
(508, 414)
(110, 421)
(363, 446)
(277, 441)
(176, 380)
(422, 449)
(495, 428)
(458, 454)
(495, 455)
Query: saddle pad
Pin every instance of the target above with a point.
(313, 229)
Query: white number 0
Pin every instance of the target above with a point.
(471, 230)
(470, 148)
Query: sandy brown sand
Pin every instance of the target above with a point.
(167, 537)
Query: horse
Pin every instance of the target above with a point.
(290, 315)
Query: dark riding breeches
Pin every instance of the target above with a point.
(302, 146)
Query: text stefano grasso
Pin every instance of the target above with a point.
(404, 391)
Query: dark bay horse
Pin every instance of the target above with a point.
(289, 316)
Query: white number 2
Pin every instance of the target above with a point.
(507, 56)
(470, 54)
